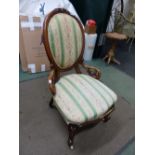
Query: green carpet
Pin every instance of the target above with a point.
(24, 76)
(129, 150)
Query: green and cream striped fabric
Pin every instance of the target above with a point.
(65, 39)
(81, 98)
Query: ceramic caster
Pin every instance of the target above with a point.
(72, 147)
(70, 144)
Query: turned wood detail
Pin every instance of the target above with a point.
(72, 129)
(77, 69)
(92, 71)
(110, 56)
(114, 36)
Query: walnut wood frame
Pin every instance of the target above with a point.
(54, 75)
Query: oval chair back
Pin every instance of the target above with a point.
(63, 38)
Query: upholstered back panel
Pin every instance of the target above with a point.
(65, 39)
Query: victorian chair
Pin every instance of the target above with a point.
(81, 100)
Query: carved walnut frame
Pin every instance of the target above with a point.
(56, 70)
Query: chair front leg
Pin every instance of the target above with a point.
(106, 118)
(51, 82)
(72, 129)
(51, 103)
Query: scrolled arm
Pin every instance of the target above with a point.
(51, 82)
(92, 71)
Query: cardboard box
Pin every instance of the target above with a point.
(32, 52)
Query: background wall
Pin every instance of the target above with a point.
(127, 7)
(95, 9)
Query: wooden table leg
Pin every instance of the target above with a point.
(110, 56)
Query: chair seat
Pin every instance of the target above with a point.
(81, 98)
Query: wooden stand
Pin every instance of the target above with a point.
(110, 56)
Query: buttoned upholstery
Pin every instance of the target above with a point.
(81, 98)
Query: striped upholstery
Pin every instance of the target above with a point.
(65, 39)
(81, 98)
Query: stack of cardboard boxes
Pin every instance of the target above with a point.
(32, 52)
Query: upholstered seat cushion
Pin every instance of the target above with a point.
(81, 98)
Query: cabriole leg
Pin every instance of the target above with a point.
(51, 103)
(107, 118)
(72, 129)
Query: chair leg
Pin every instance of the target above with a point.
(116, 61)
(106, 118)
(109, 59)
(106, 56)
(51, 103)
(72, 129)
(110, 56)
